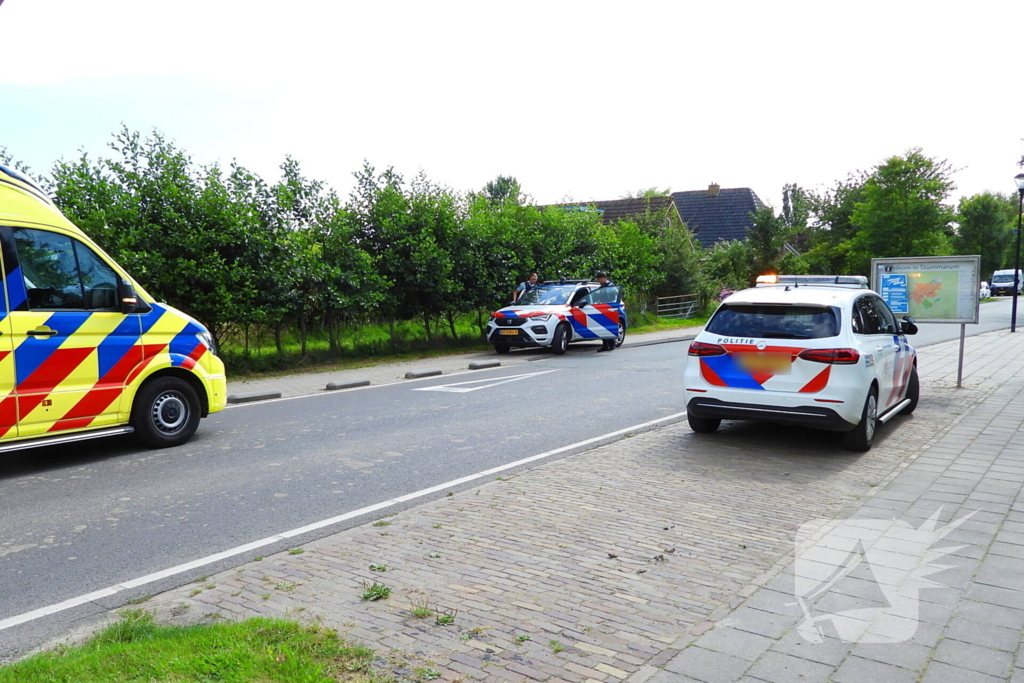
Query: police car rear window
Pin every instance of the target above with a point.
(775, 322)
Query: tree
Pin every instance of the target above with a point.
(901, 212)
(767, 239)
(503, 189)
(986, 222)
(650, 193)
(831, 230)
(6, 159)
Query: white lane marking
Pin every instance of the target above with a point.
(461, 388)
(238, 550)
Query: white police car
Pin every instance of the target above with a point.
(557, 313)
(821, 351)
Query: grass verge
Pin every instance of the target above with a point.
(312, 365)
(137, 649)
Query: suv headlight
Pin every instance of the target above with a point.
(540, 318)
(207, 339)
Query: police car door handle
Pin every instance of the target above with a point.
(41, 331)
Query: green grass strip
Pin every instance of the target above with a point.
(137, 649)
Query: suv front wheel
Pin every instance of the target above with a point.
(560, 341)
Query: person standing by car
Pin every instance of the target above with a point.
(603, 281)
(524, 287)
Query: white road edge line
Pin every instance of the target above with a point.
(269, 540)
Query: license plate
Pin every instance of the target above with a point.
(766, 363)
(509, 332)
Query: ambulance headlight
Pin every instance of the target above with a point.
(207, 340)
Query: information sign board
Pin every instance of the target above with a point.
(931, 289)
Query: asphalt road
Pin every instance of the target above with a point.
(80, 519)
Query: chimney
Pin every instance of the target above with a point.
(713, 189)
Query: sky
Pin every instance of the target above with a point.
(577, 100)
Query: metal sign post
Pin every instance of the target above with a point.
(931, 289)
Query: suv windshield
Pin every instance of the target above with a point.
(546, 295)
(775, 322)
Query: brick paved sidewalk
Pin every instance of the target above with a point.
(664, 557)
(968, 627)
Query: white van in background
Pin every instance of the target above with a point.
(1002, 282)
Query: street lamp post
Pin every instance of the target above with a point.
(1019, 179)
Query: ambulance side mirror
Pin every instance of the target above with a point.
(130, 301)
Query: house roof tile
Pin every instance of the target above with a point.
(717, 216)
(613, 210)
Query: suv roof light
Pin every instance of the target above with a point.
(849, 281)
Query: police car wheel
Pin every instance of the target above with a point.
(621, 337)
(165, 412)
(502, 348)
(913, 392)
(703, 425)
(560, 342)
(860, 437)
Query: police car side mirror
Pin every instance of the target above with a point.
(130, 301)
(907, 326)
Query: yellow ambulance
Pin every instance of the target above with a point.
(85, 352)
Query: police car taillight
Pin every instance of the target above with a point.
(831, 356)
(703, 349)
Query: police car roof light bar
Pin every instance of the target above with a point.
(849, 281)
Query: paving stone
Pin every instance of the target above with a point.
(734, 642)
(974, 657)
(760, 623)
(996, 615)
(858, 670)
(987, 635)
(708, 666)
(940, 672)
(830, 651)
(996, 595)
(912, 656)
(780, 668)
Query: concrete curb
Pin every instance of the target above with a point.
(671, 340)
(484, 365)
(416, 374)
(332, 386)
(253, 396)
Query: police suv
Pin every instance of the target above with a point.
(820, 351)
(557, 313)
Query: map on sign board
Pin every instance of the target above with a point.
(933, 294)
(929, 288)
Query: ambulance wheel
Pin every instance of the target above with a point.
(165, 412)
(560, 342)
(860, 437)
(622, 334)
(913, 392)
(502, 348)
(703, 425)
